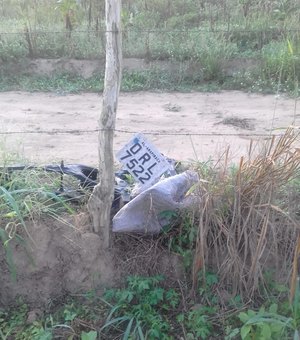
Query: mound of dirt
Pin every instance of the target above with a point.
(87, 68)
(65, 258)
(59, 259)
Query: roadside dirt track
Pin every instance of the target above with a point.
(213, 119)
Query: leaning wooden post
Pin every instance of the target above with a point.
(100, 202)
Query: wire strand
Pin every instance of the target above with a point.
(153, 133)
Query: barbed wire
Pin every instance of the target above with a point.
(157, 31)
(153, 133)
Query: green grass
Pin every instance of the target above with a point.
(25, 196)
(61, 83)
(75, 319)
(142, 309)
(145, 308)
(238, 26)
(152, 80)
(203, 32)
(277, 70)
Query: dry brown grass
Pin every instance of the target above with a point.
(248, 221)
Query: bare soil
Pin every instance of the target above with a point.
(87, 68)
(184, 126)
(59, 258)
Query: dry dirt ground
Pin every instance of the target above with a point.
(63, 258)
(214, 120)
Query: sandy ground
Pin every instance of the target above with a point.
(214, 120)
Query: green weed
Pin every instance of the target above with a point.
(13, 325)
(197, 322)
(77, 319)
(276, 321)
(139, 310)
(264, 324)
(180, 235)
(153, 79)
(281, 62)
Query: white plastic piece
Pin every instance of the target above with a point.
(142, 214)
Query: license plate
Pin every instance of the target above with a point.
(142, 159)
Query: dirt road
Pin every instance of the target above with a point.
(213, 119)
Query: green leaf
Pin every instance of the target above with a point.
(140, 331)
(180, 318)
(117, 321)
(244, 317)
(269, 318)
(46, 335)
(273, 308)
(211, 279)
(155, 296)
(290, 47)
(251, 313)
(233, 333)
(276, 327)
(112, 311)
(9, 255)
(173, 297)
(143, 285)
(265, 331)
(92, 335)
(190, 336)
(69, 315)
(128, 329)
(10, 214)
(126, 295)
(245, 330)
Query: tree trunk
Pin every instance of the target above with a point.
(100, 202)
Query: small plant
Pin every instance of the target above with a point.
(13, 326)
(76, 319)
(197, 322)
(182, 239)
(263, 324)
(138, 311)
(268, 323)
(206, 284)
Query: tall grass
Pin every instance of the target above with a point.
(209, 32)
(281, 61)
(249, 218)
(150, 30)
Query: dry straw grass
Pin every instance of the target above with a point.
(248, 219)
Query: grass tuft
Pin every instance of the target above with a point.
(248, 221)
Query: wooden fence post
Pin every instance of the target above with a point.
(100, 202)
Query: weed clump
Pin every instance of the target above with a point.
(248, 220)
